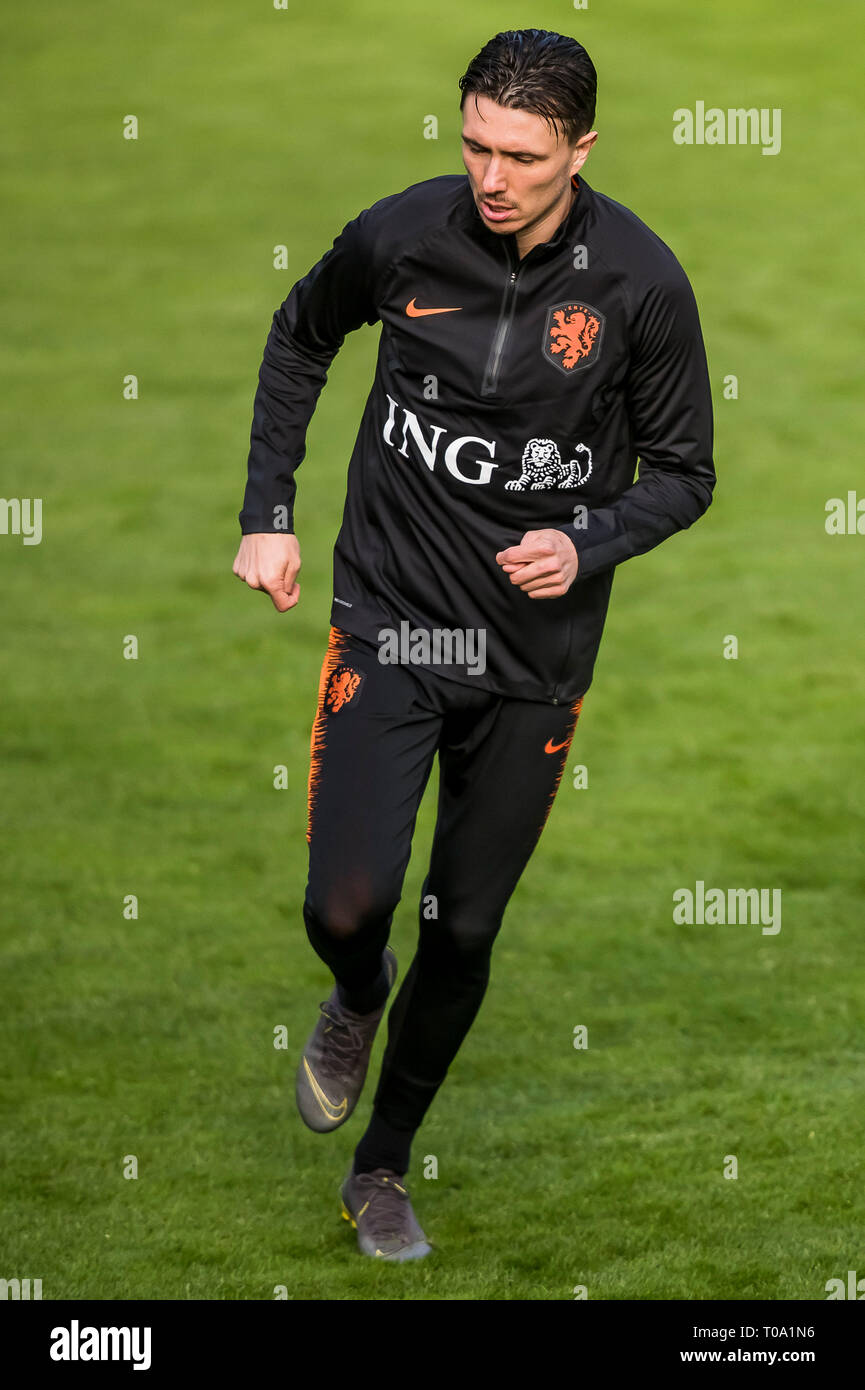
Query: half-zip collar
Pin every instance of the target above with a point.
(544, 249)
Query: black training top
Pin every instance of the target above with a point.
(509, 395)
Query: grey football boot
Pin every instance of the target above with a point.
(377, 1204)
(334, 1063)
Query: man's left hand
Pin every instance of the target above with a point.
(543, 565)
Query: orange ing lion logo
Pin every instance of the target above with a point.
(342, 688)
(573, 335)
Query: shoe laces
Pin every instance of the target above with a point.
(387, 1201)
(346, 1035)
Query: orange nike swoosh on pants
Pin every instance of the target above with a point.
(551, 747)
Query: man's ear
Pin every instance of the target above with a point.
(583, 149)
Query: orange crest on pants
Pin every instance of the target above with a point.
(342, 687)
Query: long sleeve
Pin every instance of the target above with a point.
(669, 405)
(308, 329)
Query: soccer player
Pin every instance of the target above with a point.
(538, 341)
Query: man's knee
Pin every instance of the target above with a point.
(462, 932)
(349, 906)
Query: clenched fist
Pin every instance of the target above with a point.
(543, 565)
(270, 561)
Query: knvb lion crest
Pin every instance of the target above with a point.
(342, 688)
(572, 336)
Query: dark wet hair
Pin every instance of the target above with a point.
(536, 70)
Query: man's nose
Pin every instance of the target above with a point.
(494, 177)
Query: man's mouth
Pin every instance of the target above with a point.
(497, 211)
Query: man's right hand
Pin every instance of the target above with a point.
(270, 560)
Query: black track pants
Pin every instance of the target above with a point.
(376, 732)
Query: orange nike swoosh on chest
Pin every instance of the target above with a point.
(415, 313)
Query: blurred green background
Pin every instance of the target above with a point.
(154, 1037)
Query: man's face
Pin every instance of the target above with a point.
(518, 167)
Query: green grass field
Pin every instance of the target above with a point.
(154, 1037)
